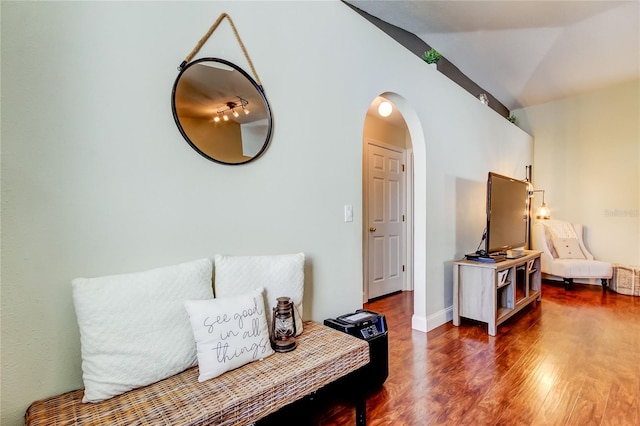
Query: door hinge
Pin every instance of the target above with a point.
(403, 218)
(402, 268)
(403, 167)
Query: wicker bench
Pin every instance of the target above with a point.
(238, 397)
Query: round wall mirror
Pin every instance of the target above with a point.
(221, 111)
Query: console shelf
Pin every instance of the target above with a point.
(494, 292)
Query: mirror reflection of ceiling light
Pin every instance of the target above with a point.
(231, 106)
(385, 109)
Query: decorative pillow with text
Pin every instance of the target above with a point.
(229, 332)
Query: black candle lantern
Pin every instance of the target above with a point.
(283, 326)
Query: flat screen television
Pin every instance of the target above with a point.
(507, 205)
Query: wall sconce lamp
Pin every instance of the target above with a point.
(231, 106)
(543, 212)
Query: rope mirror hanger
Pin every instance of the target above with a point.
(204, 39)
(221, 110)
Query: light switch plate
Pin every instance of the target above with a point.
(348, 213)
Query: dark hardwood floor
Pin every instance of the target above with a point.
(571, 359)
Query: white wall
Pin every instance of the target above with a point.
(587, 159)
(97, 180)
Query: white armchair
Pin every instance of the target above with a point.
(564, 254)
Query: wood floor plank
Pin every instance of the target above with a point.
(591, 402)
(623, 404)
(571, 359)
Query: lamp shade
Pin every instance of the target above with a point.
(543, 212)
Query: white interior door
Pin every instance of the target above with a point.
(386, 230)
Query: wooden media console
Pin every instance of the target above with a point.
(494, 292)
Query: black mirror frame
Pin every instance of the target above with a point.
(258, 87)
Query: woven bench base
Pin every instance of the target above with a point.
(238, 397)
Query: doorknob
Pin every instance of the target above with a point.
(372, 229)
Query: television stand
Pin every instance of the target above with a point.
(493, 292)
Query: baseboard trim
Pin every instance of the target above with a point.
(419, 323)
(426, 324)
(439, 318)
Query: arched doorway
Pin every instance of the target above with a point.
(399, 132)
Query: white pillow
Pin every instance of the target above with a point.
(279, 275)
(134, 330)
(568, 248)
(229, 332)
(561, 229)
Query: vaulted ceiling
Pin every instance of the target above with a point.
(526, 52)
